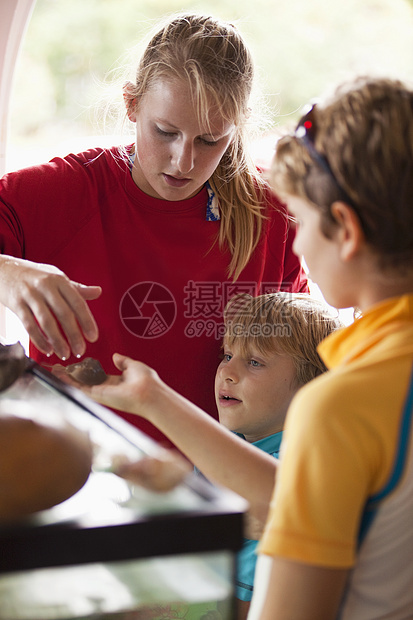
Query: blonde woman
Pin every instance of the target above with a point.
(166, 230)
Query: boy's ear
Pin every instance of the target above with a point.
(349, 232)
(130, 101)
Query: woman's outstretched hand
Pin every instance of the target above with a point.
(52, 308)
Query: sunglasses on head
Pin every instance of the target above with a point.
(305, 132)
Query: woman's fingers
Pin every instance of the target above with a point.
(77, 297)
(45, 309)
(73, 317)
(31, 325)
(52, 308)
(51, 323)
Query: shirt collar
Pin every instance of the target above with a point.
(270, 444)
(351, 342)
(212, 212)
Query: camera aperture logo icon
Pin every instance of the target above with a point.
(147, 310)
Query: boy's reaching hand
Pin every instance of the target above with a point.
(131, 391)
(134, 391)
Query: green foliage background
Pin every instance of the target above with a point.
(301, 47)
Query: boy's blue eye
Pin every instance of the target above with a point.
(255, 364)
(227, 357)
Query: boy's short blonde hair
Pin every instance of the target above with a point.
(285, 323)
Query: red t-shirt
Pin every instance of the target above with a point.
(164, 280)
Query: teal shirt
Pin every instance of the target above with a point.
(247, 557)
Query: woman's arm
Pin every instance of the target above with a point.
(45, 300)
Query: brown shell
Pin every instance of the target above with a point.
(89, 371)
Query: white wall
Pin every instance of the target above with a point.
(14, 17)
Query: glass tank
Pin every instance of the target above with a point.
(115, 550)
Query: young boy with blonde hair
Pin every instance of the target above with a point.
(269, 352)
